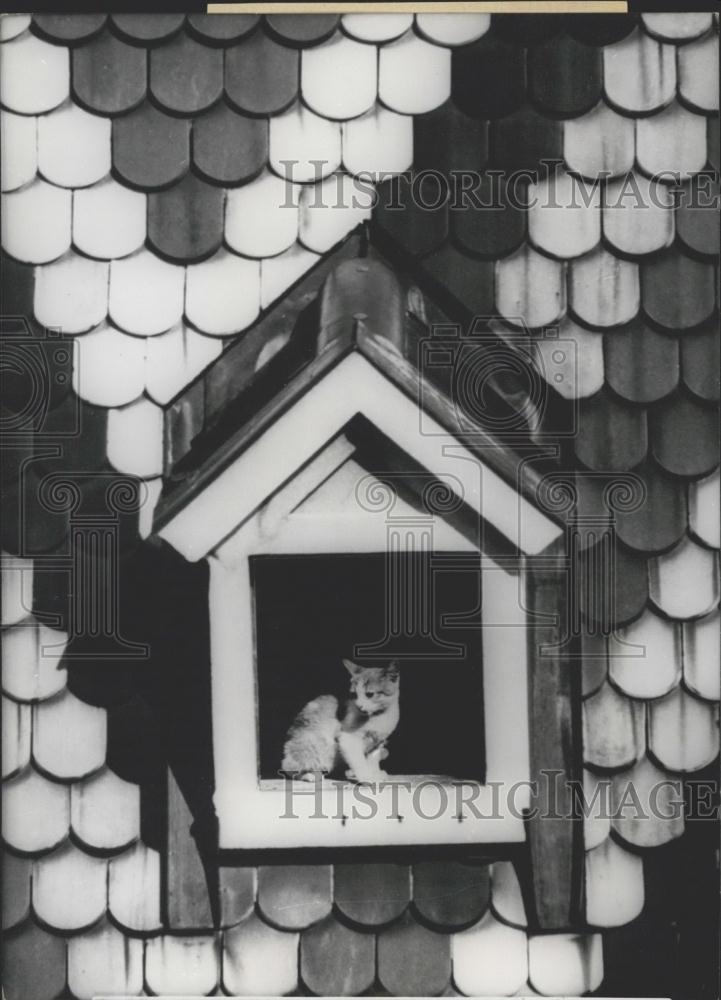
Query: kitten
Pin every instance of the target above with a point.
(326, 736)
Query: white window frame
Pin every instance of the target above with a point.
(258, 815)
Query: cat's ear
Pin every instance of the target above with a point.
(393, 670)
(351, 667)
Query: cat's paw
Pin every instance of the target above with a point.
(350, 774)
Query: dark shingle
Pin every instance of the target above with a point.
(68, 28)
(147, 28)
(526, 29)
(450, 894)
(371, 894)
(697, 216)
(294, 896)
(335, 960)
(229, 148)
(468, 283)
(237, 893)
(222, 28)
(186, 76)
(448, 140)
(677, 292)
(185, 222)
(261, 77)
(15, 889)
(601, 29)
(412, 960)
(660, 521)
(611, 434)
(565, 77)
(603, 605)
(641, 365)
(712, 134)
(523, 140)
(34, 964)
(417, 230)
(685, 436)
(108, 77)
(495, 229)
(488, 78)
(302, 29)
(150, 150)
(700, 362)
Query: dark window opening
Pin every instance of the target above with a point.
(312, 611)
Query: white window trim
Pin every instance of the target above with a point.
(251, 816)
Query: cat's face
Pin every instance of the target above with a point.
(373, 688)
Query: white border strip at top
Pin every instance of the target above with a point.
(437, 7)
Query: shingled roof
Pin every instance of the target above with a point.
(148, 226)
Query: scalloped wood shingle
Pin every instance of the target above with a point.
(70, 888)
(69, 737)
(489, 959)
(36, 812)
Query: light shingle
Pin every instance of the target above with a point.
(135, 438)
(453, 29)
(36, 222)
(19, 149)
(71, 294)
(175, 358)
(105, 811)
(604, 290)
(645, 657)
(109, 220)
(146, 293)
(378, 142)
(600, 142)
(671, 143)
(413, 75)
(683, 731)
(564, 217)
(34, 76)
(36, 812)
(304, 146)
(684, 582)
(69, 737)
(339, 79)
(259, 960)
(639, 73)
(31, 661)
(613, 729)
(16, 737)
(134, 889)
(73, 147)
(261, 218)
(702, 656)
(647, 807)
(330, 210)
(182, 965)
(489, 958)
(565, 964)
(103, 961)
(530, 288)
(638, 215)
(70, 888)
(109, 367)
(222, 295)
(614, 885)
